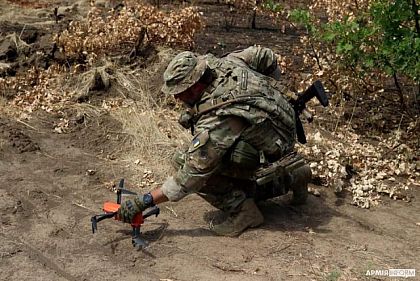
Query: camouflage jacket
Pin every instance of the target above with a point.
(260, 115)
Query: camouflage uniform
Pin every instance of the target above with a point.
(261, 118)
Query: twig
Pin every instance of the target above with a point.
(172, 211)
(26, 124)
(281, 249)
(49, 156)
(399, 125)
(399, 90)
(23, 29)
(318, 62)
(352, 113)
(118, 133)
(53, 195)
(225, 268)
(338, 119)
(82, 206)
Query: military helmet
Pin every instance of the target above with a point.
(182, 72)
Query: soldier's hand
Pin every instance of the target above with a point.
(130, 208)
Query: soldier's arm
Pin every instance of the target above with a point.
(204, 156)
(260, 59)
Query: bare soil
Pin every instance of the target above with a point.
(52, 184)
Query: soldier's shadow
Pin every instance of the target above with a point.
(164, 231)
(280, 215)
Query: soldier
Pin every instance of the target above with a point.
(241, 122)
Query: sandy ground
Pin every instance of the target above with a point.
(48, 195)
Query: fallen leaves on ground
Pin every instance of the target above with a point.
(366, 168)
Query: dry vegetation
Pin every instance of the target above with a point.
(152, 125)
(93, 48)
(370, 150)
(85, 43)
(134, 26)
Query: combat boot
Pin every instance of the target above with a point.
(299, 185)
(247, 215)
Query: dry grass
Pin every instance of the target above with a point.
(90, 112)
(20, 44)
(6, 109)
(133, 98)
(154, 130)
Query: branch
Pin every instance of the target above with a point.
(311, 44)
(365, 83)
(415, 9)
(400, 92)
(315, 55)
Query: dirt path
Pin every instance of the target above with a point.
(47, 199)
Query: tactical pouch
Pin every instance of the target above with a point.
(276, 178)
(245, 155)
(282, 168)
(178, 159)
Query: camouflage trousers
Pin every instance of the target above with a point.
(231, 185)
(226, 193)
(223, 192)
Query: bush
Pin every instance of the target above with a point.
(135, 24)
(359, 47)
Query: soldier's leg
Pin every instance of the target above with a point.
(246, 215)
(230, 196)
(226, 193)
